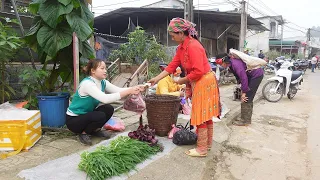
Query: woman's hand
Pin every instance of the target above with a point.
(132, 90)
(153, 81)
(136, 89)
(183, 87)
(141, 87)
(244, 98)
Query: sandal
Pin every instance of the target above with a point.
(194, 153)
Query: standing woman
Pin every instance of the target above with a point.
(201, 82)
(90, 108)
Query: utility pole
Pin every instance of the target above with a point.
(243, 29)
(281, 39)
(188, 10)
(307, 50)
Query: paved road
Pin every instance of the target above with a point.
(281, 144)
(313, 142)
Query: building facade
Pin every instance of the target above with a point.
(257, 40)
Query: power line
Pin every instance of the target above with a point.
(263, 4)
(270, 10)
(256, 10)
(297, 25)
(294, 28)
(261, 12)
(235, 4)
(115, 4)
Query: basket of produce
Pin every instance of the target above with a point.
(162, 112)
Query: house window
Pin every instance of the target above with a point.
(272, 29)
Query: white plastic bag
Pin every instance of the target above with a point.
(251, 61)
(7, 106)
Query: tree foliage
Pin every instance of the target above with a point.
(140, 47)
(51, 35)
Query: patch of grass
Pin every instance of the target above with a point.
(57, 133)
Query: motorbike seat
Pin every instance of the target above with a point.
(295, 75)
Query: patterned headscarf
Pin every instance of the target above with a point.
(181, 25)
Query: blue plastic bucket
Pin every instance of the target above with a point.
(53, 108)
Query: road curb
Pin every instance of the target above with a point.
(222, 130)
(237, 111)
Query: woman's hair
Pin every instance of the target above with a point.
(186, 33)
(92, 64)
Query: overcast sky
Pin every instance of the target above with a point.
(299, 14)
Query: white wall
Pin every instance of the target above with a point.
(259, 41)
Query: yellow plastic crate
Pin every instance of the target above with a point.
(19, 130)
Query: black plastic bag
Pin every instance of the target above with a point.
(184, 136)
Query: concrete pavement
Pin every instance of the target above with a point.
(281, 144)
(52, 147)
(313, 130)
(177, 165)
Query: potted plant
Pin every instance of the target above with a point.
(51, 37)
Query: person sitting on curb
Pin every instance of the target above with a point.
(90, 108)
(249, 80)
(169, 86)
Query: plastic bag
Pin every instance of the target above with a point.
(7, 106)
(173, 131)
(224, 110)
(251, 61)
(184, 136)
(186, 107)
(135, 103)
(21, 104)
(114, 124)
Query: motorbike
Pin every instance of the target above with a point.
(269, 68)
(285, 82)
(300, 65)
(223, 75)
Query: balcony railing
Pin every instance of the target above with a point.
(22, 6)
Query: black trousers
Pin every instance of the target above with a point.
(253, 85)
(91, 121)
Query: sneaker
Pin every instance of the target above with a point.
(85, 139)
(104, 134)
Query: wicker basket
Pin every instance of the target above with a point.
(162, 112)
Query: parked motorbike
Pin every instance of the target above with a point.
(223, 75)
(300, 65)
(269, 68)
(285, 82)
